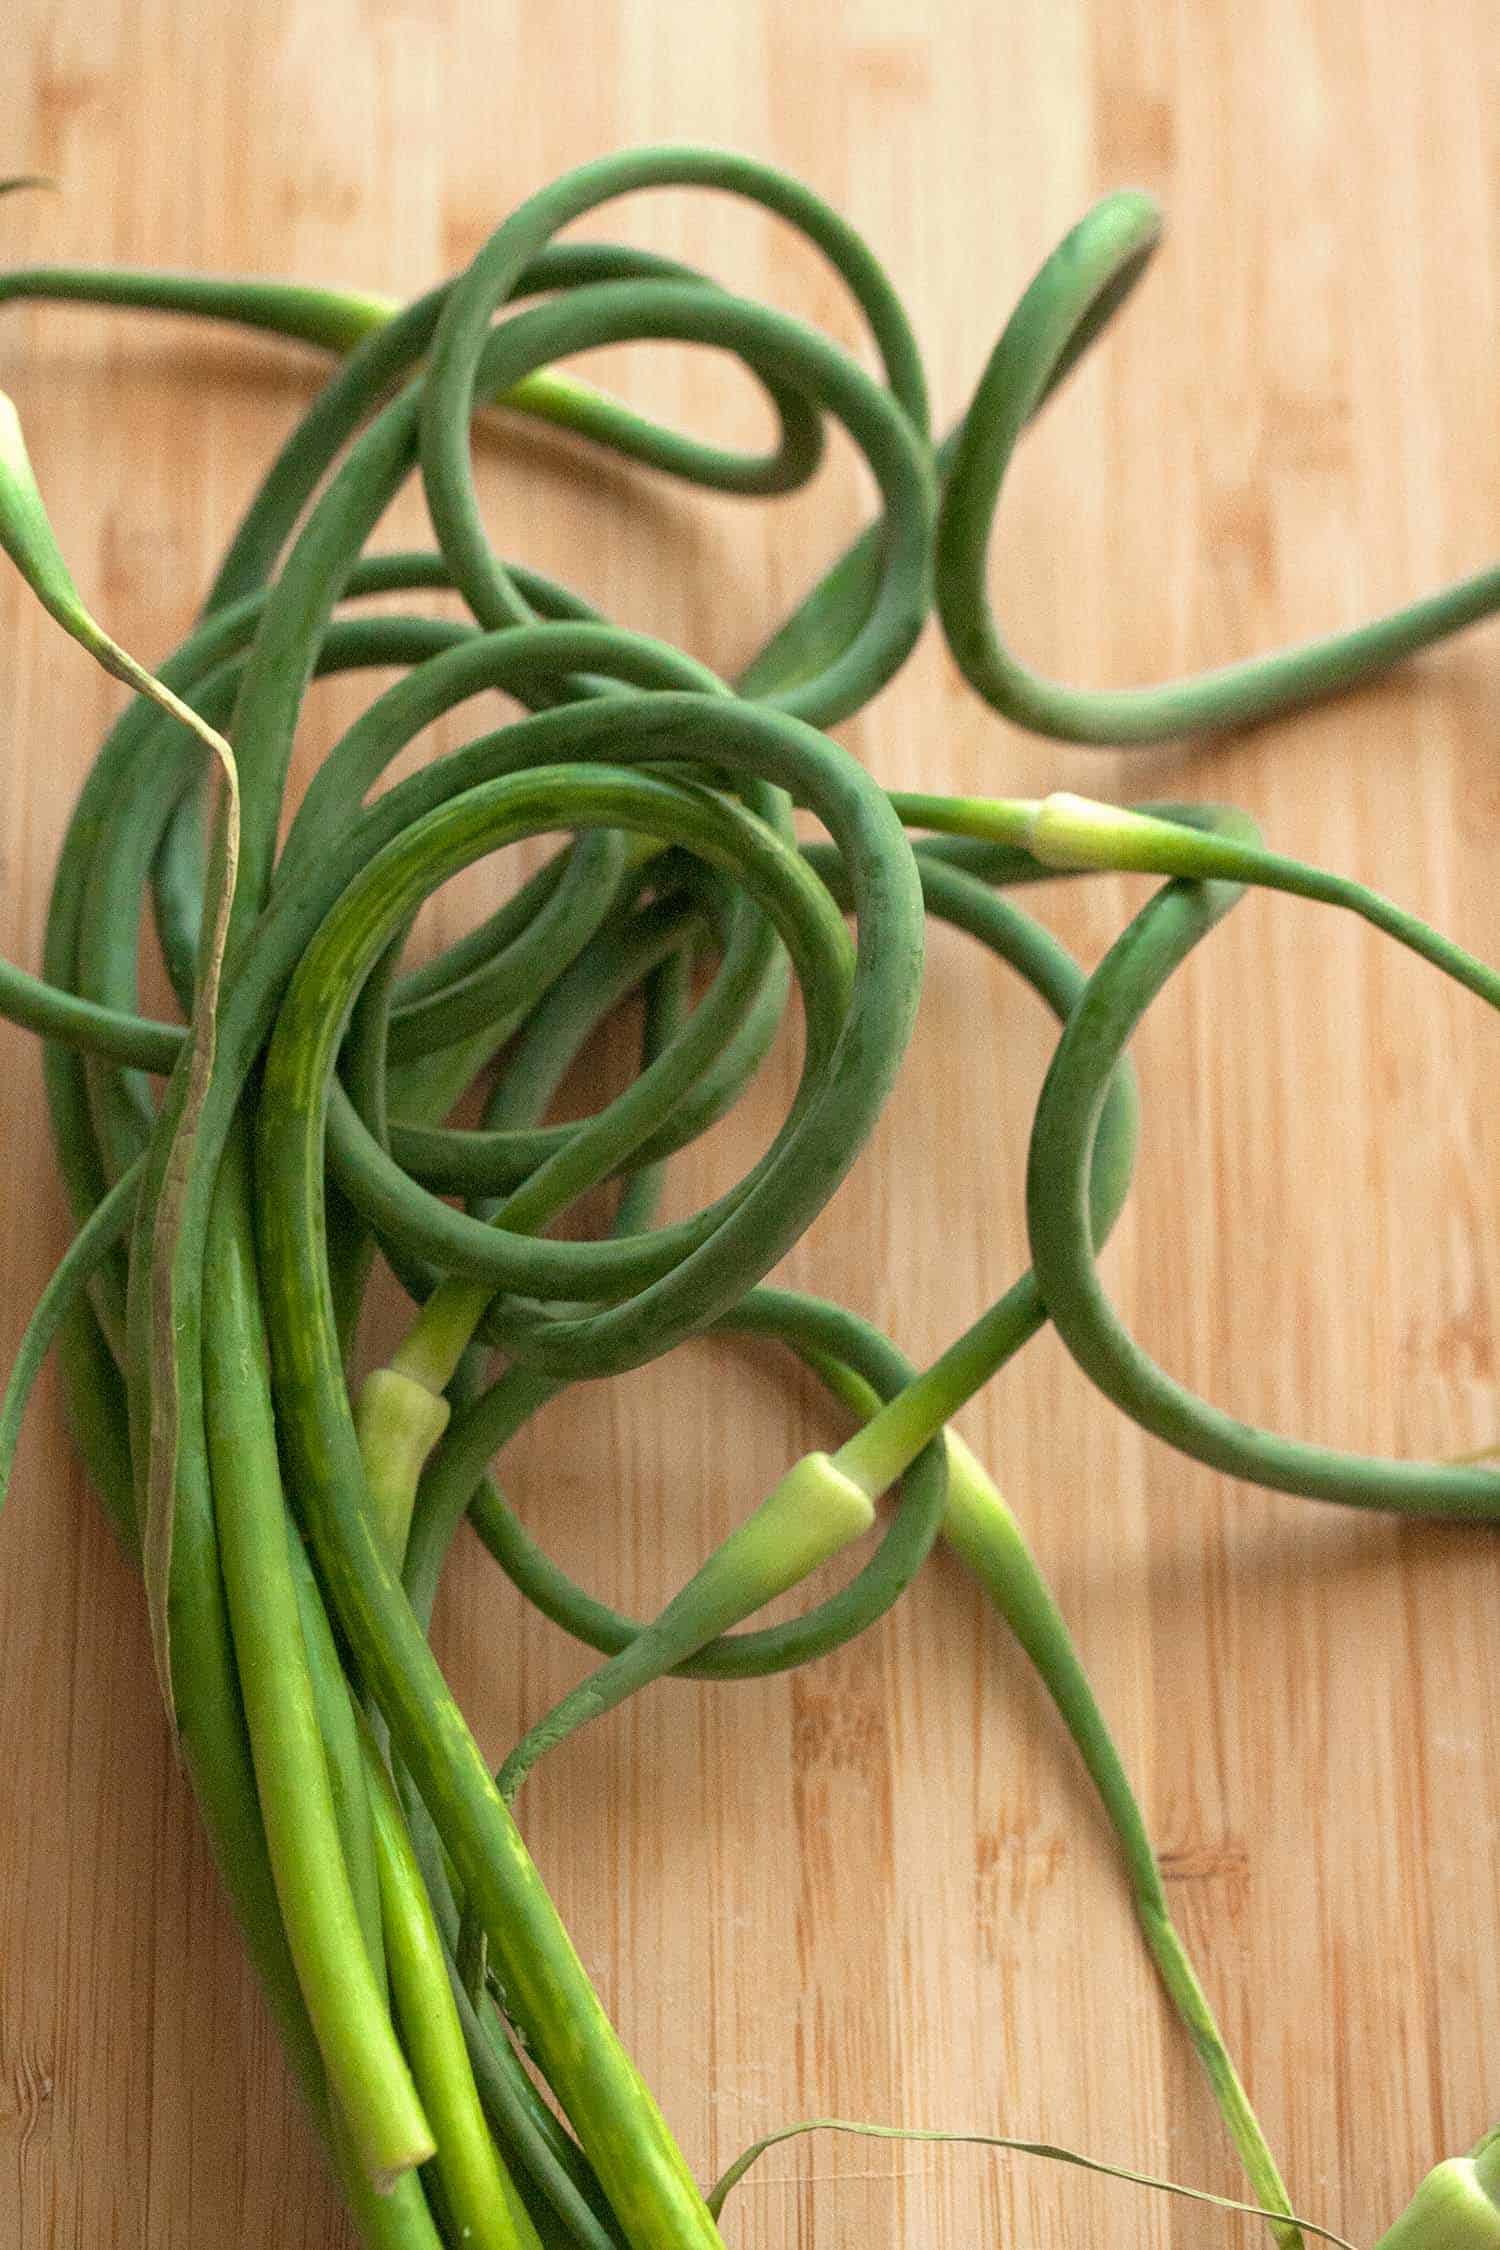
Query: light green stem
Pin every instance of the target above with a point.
(367, 2072)
(477, 2188)
(984, 1534)
(813, 1513)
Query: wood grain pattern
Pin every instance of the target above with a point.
(878, 1889)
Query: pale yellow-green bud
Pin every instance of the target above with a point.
(803, 1521)
(1071, 832)
(1453, 2209)
(398, 1422)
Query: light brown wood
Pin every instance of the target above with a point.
(880, 1888)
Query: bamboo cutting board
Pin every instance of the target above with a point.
(879, 1888)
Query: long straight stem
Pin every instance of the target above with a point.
(982, 1531)
(488, 2212)
(367, 2072)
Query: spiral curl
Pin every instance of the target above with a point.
(310, 1518)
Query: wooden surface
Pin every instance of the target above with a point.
(879, 1888)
